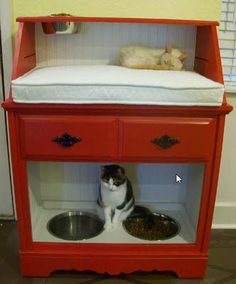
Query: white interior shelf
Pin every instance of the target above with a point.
(119, 234)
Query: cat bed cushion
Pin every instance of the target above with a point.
(107, 84)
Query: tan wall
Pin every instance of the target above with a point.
(181, 9)
(225, 212)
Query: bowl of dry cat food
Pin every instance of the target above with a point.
(151, 226)
(75, 225)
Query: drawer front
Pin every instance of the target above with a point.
(67, 136)
(168, 137)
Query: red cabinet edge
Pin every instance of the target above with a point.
(117, 20)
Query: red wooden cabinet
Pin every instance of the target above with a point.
(167, 139)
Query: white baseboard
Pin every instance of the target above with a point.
(6, 217)
(225, 215)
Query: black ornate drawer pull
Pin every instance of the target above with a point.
(66, 140)
(165, 141)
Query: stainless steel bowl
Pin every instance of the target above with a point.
(75, 225)
(152, 227)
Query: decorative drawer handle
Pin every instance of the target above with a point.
(66, 140)
(165, 141)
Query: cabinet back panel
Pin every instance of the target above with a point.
(78, 183)
(99, 43)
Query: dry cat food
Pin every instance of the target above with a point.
(152, 227)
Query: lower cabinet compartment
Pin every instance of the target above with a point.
(173, 189)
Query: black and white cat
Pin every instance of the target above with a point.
(115, 195)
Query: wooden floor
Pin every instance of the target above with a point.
(221, 268)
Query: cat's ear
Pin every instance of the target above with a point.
(183, 57)
(168, 49)
(120, 171)
(103, 168)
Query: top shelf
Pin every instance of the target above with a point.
(43, 19)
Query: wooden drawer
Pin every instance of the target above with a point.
(48, 136)
(168, 137)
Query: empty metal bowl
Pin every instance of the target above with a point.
(152, 227)
(75, 225)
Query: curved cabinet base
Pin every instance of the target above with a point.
(42, 265)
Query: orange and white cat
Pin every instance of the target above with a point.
(143, 57)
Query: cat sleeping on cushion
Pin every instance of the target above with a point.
(144, 57)
(115, 195)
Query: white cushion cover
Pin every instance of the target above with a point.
(108, 84)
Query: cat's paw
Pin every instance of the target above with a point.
(107, 226)
(116, 224)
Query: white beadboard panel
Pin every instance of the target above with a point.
(68, 182)
(194, 193)
(65, 185)
(34, 191)
(157, 182)
(99, 43)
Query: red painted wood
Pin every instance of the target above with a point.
(39, 264)
(49, 19)
(138, 134)
(107, 109)
(207, 56)
(214, 181)
(121, 250)
(98, 136)
(20, 186)
(204, 206)
(25, 57)
(48, 28)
